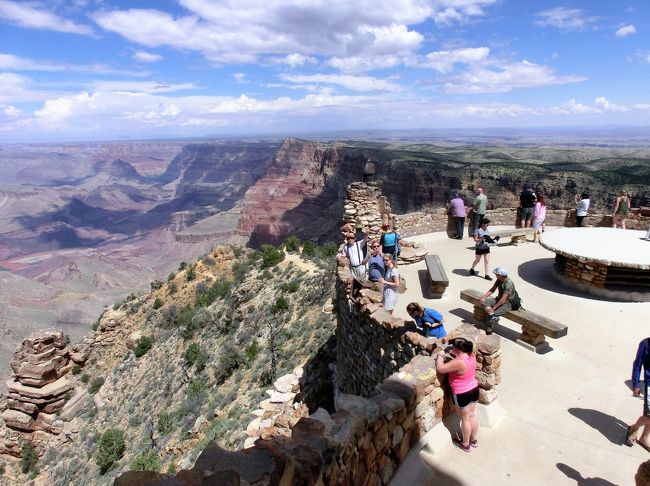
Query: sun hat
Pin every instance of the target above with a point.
(501, 271)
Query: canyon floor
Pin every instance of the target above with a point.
(566, 411)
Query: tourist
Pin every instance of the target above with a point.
(642, 360)
(647, 235)
(480, 206)
(390, 281)
(462, 379)
(582, 206)
(504, 301)
(540, 217)
(482, 249)
(428, 321)
(360, 235)
(389, 241)
(352, 250)
(527, 200)
(376, 268)
(621, 209)
(456, 209)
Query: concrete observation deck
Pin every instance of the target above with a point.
(566, 411)
(607, 262)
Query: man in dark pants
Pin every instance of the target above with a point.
(642, 360)
(527, 200)
(457, 210)
(503, 303)
(375, 263)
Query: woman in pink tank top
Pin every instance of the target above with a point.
(462, 378)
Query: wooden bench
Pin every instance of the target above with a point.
(437, 275)
(516, 235)
(534, 326)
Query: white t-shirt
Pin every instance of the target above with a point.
(354, 253)
(581, 207)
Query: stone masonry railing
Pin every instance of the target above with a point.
(429, 221)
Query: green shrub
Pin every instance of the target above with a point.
(281, 305)
(171, 469)
(111, 449)
(271, 256)
(171, 276)
(158, 303)
(165, 423)
(309, 249)
(116, 305)
(171, 288)
(292, 244)
(208, 259)
(190, 274)
(2, 468)
(143, 345)
(155, 285)
(230, 359)
(240, 270)
(182, 266)
(328, 250)
(85, 378)
(76, 369)
(95, 385)
(146, 461)
(195, 355)
(28, 458)
(96, 325)
(252, 350)
(218, 290)
(291, 287)
(196, 388)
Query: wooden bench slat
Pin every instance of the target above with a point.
(530, 319)
(436, 270)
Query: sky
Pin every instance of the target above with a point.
(112, 70)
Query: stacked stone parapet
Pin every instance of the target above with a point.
(434, 220)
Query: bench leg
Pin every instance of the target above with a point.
(533, 340)
(480, 316)
(518, 240)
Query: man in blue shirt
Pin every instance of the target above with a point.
(377, 269)
(642, 360)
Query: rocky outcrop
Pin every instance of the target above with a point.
(40, 388)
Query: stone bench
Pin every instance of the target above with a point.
(534, 326)
(517, 235)
(437, 275)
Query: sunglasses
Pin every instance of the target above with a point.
(375, 246)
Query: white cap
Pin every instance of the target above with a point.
(501, 271)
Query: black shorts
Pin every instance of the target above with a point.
(646, 400)
(482, 252)
(463, 399)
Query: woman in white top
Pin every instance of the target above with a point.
(390, 282)
(582, 206)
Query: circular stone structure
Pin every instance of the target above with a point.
(607, 262)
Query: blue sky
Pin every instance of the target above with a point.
(108, 69)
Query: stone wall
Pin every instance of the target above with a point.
(429, 221)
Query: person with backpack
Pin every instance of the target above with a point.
(506, 300)
(482, 249)
(389, 241)
(527, 200)
(621, 210)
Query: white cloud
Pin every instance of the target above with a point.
(564, 18)
(144, 56)
(357, 64)
(354, 83)
(26, 15)
(11, 111)
(500, 79)
(141, 86)
(14, 63)
(242, 31)
(603, 104)
(295, 60)
(625, 31)
(444, 61)
(240, 77)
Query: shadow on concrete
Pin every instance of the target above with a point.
(419, 469)
(468, 318)
(571, 473)
(425, 285)
(611, 427)
(540, 273)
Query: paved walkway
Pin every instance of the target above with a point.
(565, 411)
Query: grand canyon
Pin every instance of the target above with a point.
(84, 224)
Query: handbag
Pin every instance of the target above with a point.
(482, 245)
